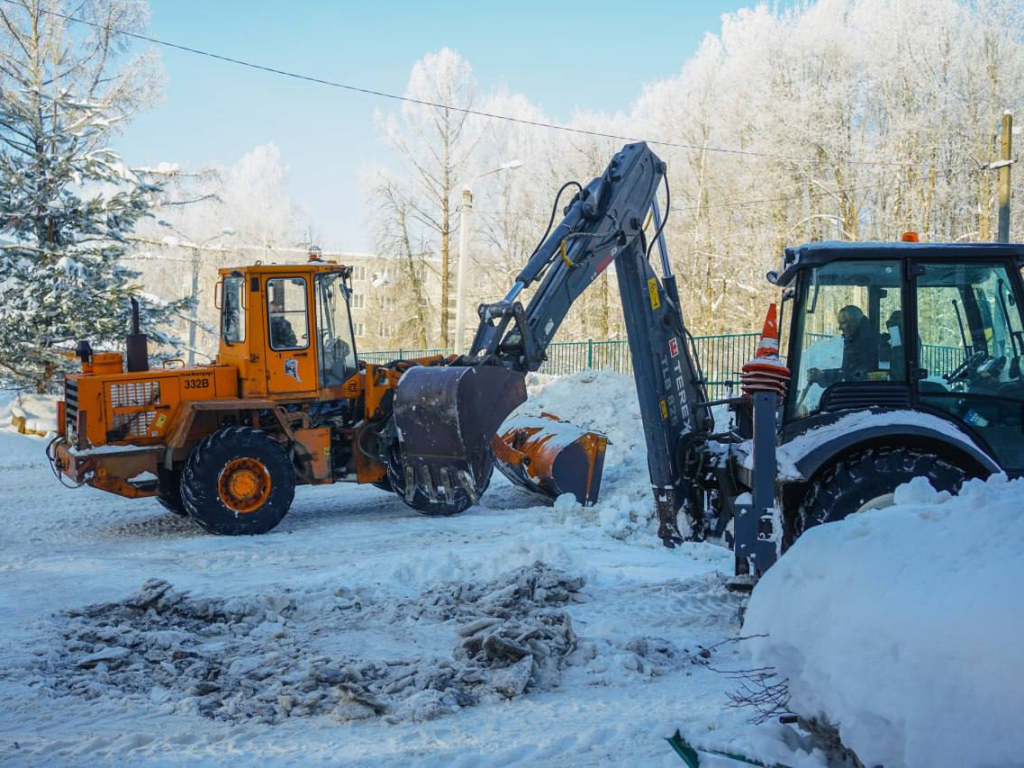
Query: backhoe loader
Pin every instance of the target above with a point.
(906, 361)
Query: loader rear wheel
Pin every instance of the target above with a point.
(461, 500)
(238, 481)
(169, 493)
(866, 481)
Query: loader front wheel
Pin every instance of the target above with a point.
(866, 481)
(238, 481)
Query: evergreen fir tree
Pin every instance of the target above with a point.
(67, 202)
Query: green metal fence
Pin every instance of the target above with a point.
(939, 360)
(722, 357)
(401, 354)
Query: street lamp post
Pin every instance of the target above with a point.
(462, 278)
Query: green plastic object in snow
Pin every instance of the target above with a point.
(691, 756)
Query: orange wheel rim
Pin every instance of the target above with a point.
(244, 485)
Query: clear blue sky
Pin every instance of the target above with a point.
(561, 55)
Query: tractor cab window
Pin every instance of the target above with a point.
(969, 356)
(337, 348)
(849, 333)
(232, 311)
(286, 310)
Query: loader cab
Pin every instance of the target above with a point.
(287, 328)
(934, 328)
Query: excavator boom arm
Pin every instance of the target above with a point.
(603, 224)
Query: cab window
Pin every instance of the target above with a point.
(971, 345)
(286, 310)
(337, 348)
(850, 331)
(232, 312)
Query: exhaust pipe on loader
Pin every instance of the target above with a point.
(138, 344)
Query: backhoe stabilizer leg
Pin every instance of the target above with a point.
(668, 528)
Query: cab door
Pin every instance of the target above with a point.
(970, 350)
(291, 360)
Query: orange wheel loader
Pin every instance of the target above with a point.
(286, 402)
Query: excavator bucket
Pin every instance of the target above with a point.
(446, 418)
(549, 456)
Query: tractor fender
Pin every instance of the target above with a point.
(806, 454)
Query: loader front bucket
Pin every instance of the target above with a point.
(446, 418)
(551, 457)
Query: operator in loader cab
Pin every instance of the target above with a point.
(860, 350)
(282, 335)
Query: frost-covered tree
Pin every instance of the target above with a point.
(257, 203)
(817, 120)
(436, 144)
(67, 201)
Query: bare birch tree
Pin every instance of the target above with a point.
(435, 145)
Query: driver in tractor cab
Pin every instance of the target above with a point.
(860, 350)
(282, 335)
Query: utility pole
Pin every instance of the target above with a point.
(985, 196)
(460, 296)
(194, 311)
(464, 233)
(1005, 161)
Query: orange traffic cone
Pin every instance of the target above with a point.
(766, 373)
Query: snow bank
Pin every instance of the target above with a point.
(903, 627)
(29, 414)
(603, 401)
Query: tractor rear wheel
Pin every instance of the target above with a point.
(238, 481)
(169, 491)
(867, 481)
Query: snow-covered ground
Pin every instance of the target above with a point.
(359, 632)
(517, 633)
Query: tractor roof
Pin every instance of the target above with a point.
(801, 257)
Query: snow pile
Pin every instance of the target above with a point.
(30, 414)
(902, 627)
(603, 401)
(264, 658)
(247, 658)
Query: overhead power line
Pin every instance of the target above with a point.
(439, 105)
(730, 204)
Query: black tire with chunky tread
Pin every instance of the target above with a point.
(422, 504)
(199, 483)
(169, 494)
(850, 483)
